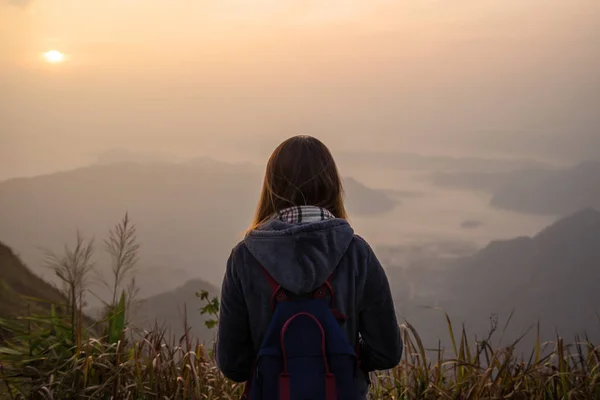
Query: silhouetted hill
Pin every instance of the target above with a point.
(18, 281)
(537, 191)
(18, 285)
(189, 215)
(167, 309)
(552, 277)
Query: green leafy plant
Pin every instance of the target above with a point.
(211, 308)
(116, 321)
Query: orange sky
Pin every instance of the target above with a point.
(221, 76)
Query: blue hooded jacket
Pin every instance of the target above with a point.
(301, 257)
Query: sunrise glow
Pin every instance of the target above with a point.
(54, 57)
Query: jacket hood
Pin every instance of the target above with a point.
(300, 257)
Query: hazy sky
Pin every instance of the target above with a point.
(232, 77)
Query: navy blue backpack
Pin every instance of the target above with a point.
(305, 354)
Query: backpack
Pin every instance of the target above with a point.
(305, 354)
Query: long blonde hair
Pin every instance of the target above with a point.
(301, 171)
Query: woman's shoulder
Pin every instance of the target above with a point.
(361, 241)
(238, 250)
(360, 247)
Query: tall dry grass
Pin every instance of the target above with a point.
(64, 357)
(43, 362)
(477, 370)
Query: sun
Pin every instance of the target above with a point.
(54, 57)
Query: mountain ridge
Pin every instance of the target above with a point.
(166, 309)
(550, 277)
(189, 214)
(540, 191)
(22, 292)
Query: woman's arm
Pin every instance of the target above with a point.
(234, 349)
(381, 346)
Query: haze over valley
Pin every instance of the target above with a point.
(467, 133)
(189, 215)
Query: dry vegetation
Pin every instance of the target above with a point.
(59, 356)
(46, 363)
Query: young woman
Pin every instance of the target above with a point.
(300, 236)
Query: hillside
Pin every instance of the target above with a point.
(189, 215)
(167, 309)
(18, 283)
(551, 277)
(534, 190)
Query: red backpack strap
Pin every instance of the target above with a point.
(326, 289)
(277, 292)
(323, 291)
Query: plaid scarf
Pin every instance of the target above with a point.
(304, 214)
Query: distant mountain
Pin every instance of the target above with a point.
(18, 286)
(536, 191)
(363, 200)
(118, 155)
(552, 277)
(188, 215)
(167, 310)
(418, 162)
